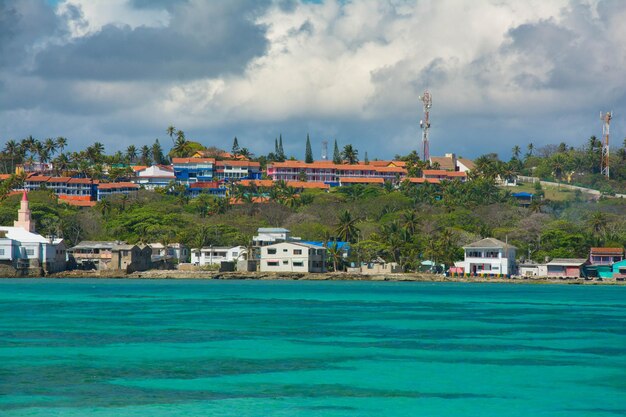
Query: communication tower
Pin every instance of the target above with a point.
(604, 163)
(427, 100)
(324, 150)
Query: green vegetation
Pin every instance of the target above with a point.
(407, 225)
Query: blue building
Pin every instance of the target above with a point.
(190, 170)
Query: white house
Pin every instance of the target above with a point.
(488, 256)
(22, 248)
(270, 235)
(215, 255)
(176, 251)
(293, 257)
(154, 176)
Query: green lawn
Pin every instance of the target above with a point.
(551, 193)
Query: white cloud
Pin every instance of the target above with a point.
(86, 17)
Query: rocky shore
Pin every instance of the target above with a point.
(413, 277)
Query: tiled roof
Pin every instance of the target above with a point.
(82, 181)
(608, 251)
(258, 183)
(424, 180)
(467, 162)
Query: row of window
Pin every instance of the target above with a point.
(285, 262)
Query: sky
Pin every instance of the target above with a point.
(501, 73)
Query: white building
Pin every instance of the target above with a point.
(21, 247)
(270, 235)
(488, 256)
(293, 257)
(176, 251)
(154, 176)
(215, 255)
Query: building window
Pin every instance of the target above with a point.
(271, 251)
(272, 263)
(285, 262)
(474, 254)
(297, 251)
(298, 263)
(30, 252)
(1, 252)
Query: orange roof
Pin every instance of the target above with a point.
(37, 178)
(192, 160)
(352, 180)
(440, 172)
(399, 170)
(59, 179)
(258, 183)
(307, 184)
(400, 164)
(138, 167)
(238, 163)
(423, 180)
(82, 181)
(114, 185)
(456, 174)
(302, 164)
(5, 176)
(254, 200)
(79, 203)
(612, 251)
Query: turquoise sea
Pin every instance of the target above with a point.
(285, 348)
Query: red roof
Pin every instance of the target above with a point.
(82, 181)
(424, 180)
(398, 170)
(254, 200)
(608, 251)
(205, 184)
(37, 178)
(4, 176)
(440, 172)
(138, 167)
(59, 179)
(258, 183)
(115, 185)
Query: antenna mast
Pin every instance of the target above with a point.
(604, 163)
(324, 150)
(427, 100)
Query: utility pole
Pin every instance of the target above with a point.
(427, 101)
(606, 123)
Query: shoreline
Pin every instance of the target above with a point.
(341, 276)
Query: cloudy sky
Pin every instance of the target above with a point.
(500, 72)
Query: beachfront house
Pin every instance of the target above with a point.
(293, 257)
(566, 267)
(111, 256)
(605, 256)
(170, 252)
(488, 256)
(619, 270)
(215, 255)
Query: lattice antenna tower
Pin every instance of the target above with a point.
(427, 101)
(324, 150)
(606, 123)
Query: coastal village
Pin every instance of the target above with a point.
(236, 178)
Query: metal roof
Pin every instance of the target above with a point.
(490, 243)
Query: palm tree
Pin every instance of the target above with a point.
(131, 153)
(170, 131)
(557, 164)
(350, 154)
(146, 153)
(516, 151)
(410, 221)
(336, 255)
(104, 206)
(61, 143)
(530, 148)
(346, 227)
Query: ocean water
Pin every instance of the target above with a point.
(283, 348)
